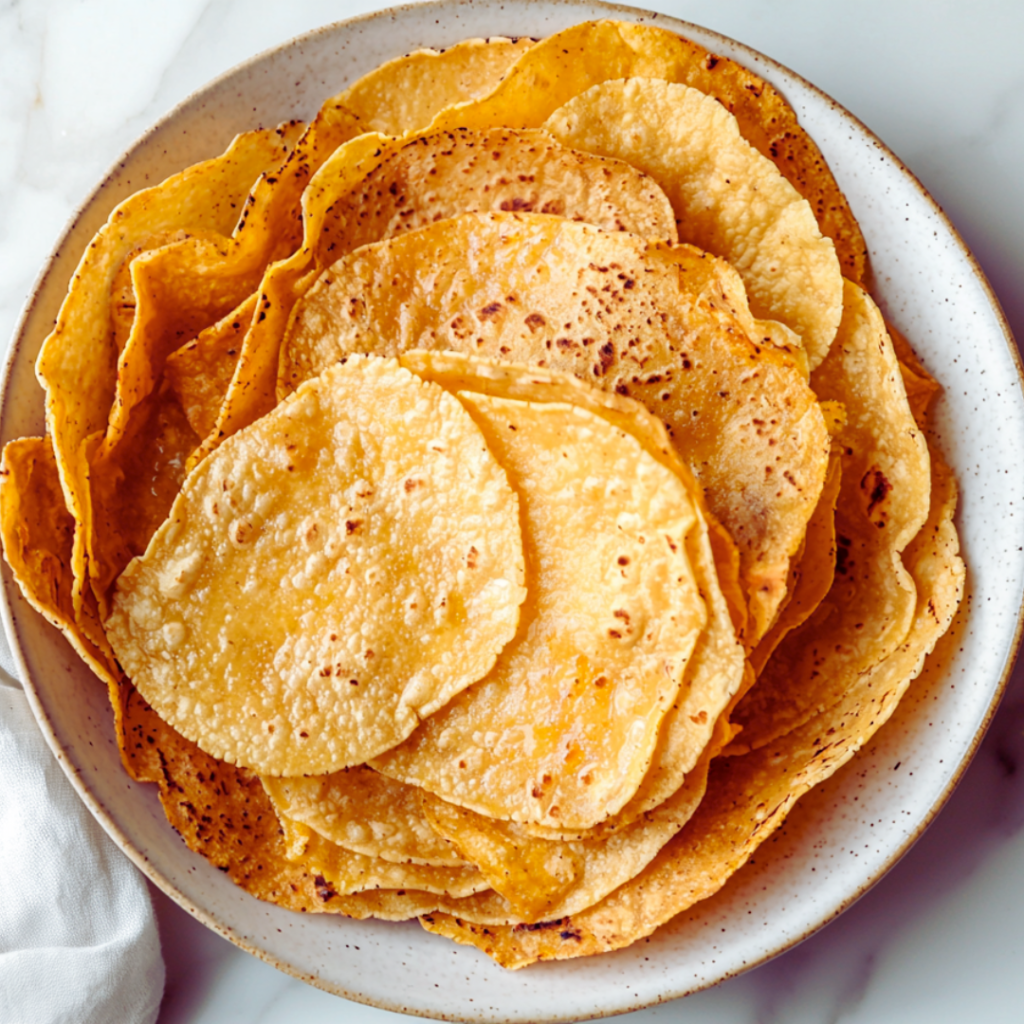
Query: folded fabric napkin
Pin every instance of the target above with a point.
(78, 938)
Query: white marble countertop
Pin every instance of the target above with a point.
(939, 939)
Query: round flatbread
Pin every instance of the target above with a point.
(727, 197)
(563, 729)
(666, 325)
(337, 572)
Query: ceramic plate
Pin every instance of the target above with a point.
(844, 835)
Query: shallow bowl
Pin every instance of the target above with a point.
(844, 835)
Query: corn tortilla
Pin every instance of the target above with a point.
(564, 727)
(571, 61)
(392, 538)
(424, 82)
(715, 672)
(38, 535)
(348, 872)
(883, 500)
(728, 198)
(377, 187)
(666, 325)
(365, 812)
(750, 795)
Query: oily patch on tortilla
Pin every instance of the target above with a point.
(348, 872)
(365, 812)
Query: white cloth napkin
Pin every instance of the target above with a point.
(78, 938)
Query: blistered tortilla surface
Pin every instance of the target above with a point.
(339, 571)
(666, 325)
(564, 728)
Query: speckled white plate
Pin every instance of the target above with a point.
(844, 835)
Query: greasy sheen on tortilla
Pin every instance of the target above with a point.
(728, 198)
(666, 325)
(339, 571)
(349, 872)
(563, 729)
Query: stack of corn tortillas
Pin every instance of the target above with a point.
(508, 517)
